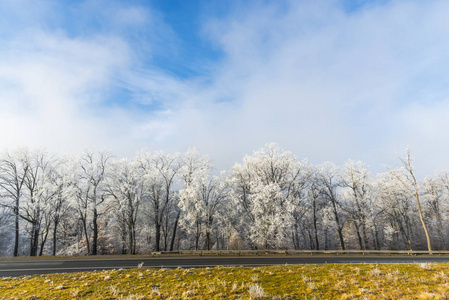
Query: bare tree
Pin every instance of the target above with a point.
(91, 194)
(314, 203)
(62, 182)
(12, 179)
(160, 174)
(200, 202)
(434, 195)
(397, 210)
(125, 187)
(39, 195)
(356, 180)
(407, 178)
(329, 180)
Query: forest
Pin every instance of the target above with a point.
(93, 203)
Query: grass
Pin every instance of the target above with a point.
(332, 281)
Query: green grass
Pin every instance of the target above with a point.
(333, 281)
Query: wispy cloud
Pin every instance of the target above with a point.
(58, 82)
(323, 80)
(332, 85)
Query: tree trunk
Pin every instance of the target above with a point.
(339, 227)
(83, 219)
(197, 234)
(340, 234)
(441, 232)
(359, 236)
(54, 235)
(364, 235)
(34, 238)
(408, 165)
(16, 233)
(172, 244)
(376, 238)
(326, 240)
(131, 242)
(315, 226)
(429, 246)
(295, 235)
(95, 233)
(208, 233)
(208, 240)
(44, 240)
(311, 243)
(158, 235)
(125, 243)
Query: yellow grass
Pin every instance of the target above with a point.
(333, 281)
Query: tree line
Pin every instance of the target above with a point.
(94, 204)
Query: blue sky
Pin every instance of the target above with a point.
(328, 80)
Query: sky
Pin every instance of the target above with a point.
(329, 80)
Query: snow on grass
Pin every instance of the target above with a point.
(256, 291)
(338, 281)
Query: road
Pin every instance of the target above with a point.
(28, 266)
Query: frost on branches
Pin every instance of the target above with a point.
(269, 189)
(96, 204)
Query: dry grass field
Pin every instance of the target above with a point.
(332, 281)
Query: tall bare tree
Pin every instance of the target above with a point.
(12, 178)
(91, 194)
(160, 172)
(408, 180)
(330, 180)
(125, 187)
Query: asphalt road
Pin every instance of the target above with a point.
(28, 266)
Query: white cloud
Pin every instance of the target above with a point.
(57, 88)
(50, 85)
(325, 84)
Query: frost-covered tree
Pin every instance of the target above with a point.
(269, 216)
(38, 194)
(90, 194)
(406, 176)
(6, 231)
(265, 187)
(398, 211)
(434, 201)
(28, 180)
(200, 198)
(13, 170)
(61, 182)
(329, 179)
(357, 198)
(160, 171)
(298, 201)
(125, 186)
(194, 165)
(194, 168)
(200, 202)
(269, 201)
(313, 215)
